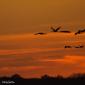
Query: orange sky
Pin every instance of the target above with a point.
(32, 55)
(18, 16)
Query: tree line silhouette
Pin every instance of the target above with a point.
(44, 80)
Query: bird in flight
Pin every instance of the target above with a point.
(81, 46)
(40, 33)
(67, 46)
(80, 31)
(55, 30)
(65, 31)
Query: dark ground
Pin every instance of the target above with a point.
(78, 79)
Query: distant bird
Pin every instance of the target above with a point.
(65, 31)
(81, 46)
(55, 30)
(80, 31)
(40, 33)
(77, 47)
(67, 46)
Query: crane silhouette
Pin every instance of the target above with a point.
(67, 46)
(40, 33)
(80, 31)
(55, 30)
(81, 46)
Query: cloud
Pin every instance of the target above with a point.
(32, 55)
(67, 60)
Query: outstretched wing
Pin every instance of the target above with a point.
(40, 33)
(52, 29)
(78, 32)
(58, 28)
(83, 30)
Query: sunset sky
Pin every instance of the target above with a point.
(18, 16)
(32, 55)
